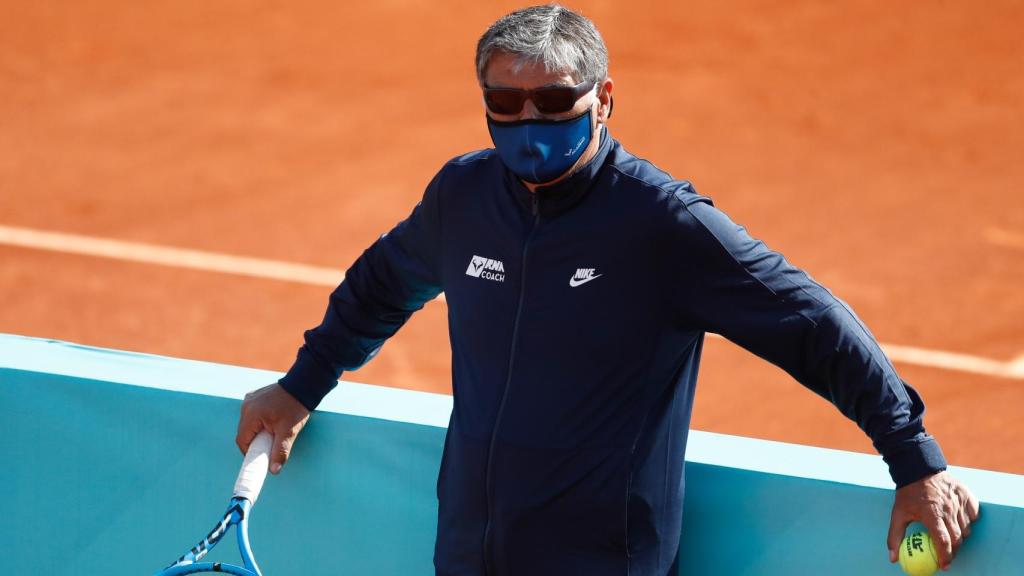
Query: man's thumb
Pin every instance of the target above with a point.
(897, 528)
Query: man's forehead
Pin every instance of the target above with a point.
(514, 71)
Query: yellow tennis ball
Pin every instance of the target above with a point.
(917, 555)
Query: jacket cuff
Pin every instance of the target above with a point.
(307, 381)
(915, 462)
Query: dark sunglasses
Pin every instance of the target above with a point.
(548, 100)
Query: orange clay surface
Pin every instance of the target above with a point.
(879, 145)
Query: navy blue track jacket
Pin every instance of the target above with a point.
(576, 317)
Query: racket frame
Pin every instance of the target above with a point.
(236, 515)
(247, 490)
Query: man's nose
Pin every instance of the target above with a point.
(529, 111)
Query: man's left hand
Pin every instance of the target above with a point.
(944, 505)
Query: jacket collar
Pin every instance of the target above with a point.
(557, 198)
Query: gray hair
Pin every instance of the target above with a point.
(564, 41)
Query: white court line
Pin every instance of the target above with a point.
(317, 276)
(953, 361)
(176, 257)
(1005, 238)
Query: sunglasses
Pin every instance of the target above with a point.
(547, 100)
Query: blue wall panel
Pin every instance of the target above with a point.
(114, 463)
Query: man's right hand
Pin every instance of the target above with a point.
(273, 409)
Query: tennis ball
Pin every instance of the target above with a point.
(917, 555)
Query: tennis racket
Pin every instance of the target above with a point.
(247, 489)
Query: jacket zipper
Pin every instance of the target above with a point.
(508, 382)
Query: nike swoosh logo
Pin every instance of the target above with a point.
(574, 282)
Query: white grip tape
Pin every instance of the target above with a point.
(254, 467)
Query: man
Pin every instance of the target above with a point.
(580, 281)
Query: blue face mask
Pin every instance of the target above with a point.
(541, 150)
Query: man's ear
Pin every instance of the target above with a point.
(605, 96)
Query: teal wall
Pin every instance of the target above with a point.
(114, 463)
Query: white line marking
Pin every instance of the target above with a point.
(1005, 238)
(952, 361)
(176, 257)
(330, 277)
(1016, 367)
(955, 361)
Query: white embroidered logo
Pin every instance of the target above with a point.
(480, 267)
(582, 276)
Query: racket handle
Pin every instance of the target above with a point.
(254, 467)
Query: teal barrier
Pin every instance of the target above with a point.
(114, 463)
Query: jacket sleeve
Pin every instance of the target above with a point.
(733, 285)
(393, 278)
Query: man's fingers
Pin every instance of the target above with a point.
(945, 507)
(973, 507)
(941, 540)
(969, 510)
(273, 409)
(248, 428)
(963, 520)
(966, 510)
(954, 531)
(283, 440)
(897, 527)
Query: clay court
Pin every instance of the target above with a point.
(878, 145)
